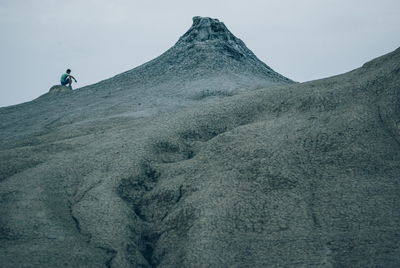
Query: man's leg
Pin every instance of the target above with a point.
(69, 81)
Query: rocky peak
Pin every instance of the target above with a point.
(208, 33)
(204, 29)
(206, 51)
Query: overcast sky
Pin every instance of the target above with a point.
(301, 39)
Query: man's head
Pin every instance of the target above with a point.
(68, 71)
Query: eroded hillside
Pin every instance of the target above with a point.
(292, 175)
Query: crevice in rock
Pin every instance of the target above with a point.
(147, 247)
(138, 212)
(87, 236)
(153, 207)
(132, 189)
(112, 253)
(136, 192)
(83, 195)
(311, 203)
(180, 194)
(170, 152)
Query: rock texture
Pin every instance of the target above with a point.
(139, 171)
(59, 88)
(208, 60)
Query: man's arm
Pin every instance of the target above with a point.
(72, 78)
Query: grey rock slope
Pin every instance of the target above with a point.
(296, 175)
(208, 62)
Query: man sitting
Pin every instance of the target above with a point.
(66, 78)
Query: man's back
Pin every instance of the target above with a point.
(64, 77)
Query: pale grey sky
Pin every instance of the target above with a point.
(301, 39)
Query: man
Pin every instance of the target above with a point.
(66, 78)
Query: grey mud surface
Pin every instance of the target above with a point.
(228, 164)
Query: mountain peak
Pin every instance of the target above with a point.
(208, 57)
(205, 28)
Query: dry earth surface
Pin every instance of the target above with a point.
(205, 157)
